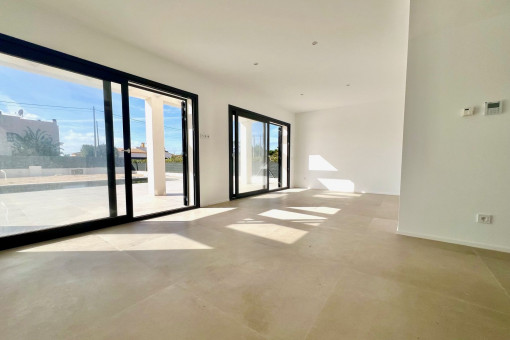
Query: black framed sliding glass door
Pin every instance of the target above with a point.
(84, 146)
(259, 153)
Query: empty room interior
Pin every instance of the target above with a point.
(235, 169)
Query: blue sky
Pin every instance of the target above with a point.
(72, 104)
(273, 137)
(257, 131)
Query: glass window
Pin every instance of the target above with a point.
(157, 152)
(259, 153)
(54, 147)
(252, 155)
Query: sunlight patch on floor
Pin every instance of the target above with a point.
(289, 216)
(95, 243)
(192, 215)
(87, 243)
(270, 231)
(320, 210)
(171, 242)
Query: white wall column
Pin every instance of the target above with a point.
(155, 134)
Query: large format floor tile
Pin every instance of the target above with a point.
(293, 264)
(68, 285)
(364, 306)
(172, 313)
(277, 295)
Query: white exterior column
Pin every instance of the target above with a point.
(155, 134)
(284, 155)
(245, 152)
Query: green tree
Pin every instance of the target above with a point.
(174, 159)
(37, 143)
(87, 150)
(273, 156)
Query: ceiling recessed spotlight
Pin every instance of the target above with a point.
(315, 43)
(255, 63)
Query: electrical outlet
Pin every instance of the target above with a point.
(482, 218)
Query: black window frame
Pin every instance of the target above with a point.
(233, 113)
(29, 51)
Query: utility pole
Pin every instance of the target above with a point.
(95, 134)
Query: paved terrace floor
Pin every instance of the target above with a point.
(59, 179)
(297, 264)
(35, 210)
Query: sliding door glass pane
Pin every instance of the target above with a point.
(284, 148)
(274, 163)
(173, 138)
(190, 151)
(156, 152)
(118, 142)
(53, 154)
(252, 153)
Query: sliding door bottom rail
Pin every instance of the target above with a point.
(256, 193)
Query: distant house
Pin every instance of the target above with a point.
(140, 152)
(10, 125)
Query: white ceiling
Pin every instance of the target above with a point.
(361, 42)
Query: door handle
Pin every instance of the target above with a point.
(127, 151)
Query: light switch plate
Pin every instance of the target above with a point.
(468, 111)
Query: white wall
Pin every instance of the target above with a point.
(453, 167)
(44, 28)
(354, 148)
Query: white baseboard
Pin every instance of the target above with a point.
(389, 193)
(455, 241)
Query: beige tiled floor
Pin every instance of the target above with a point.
(290, 265)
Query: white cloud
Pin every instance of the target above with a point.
(10, 107)
(118, 142)
(29, 115)
(72, 141)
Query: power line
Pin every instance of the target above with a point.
(143, 122)
(77, 108)
(44, 105)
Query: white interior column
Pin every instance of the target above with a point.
(245, 151)
(155, 132)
